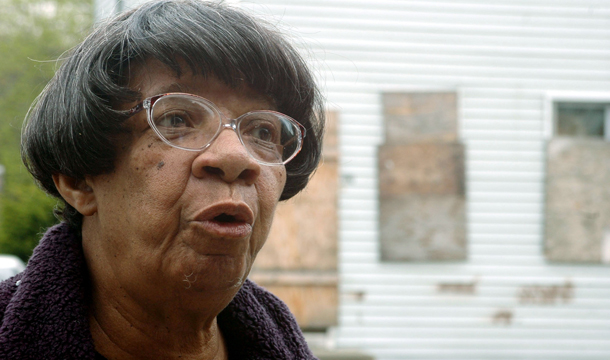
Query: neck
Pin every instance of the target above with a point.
(121, 333)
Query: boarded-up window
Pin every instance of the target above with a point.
(299, 261)
(421, 179)
(577, 223)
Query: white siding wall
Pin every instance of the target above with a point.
(502, 57)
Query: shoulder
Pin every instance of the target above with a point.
(7, 291)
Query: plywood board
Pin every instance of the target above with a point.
(423, 228)
(577, 216)
(420, 116)
(421, 168)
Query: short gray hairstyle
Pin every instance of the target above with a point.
(74, 128)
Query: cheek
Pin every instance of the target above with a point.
(270, 188)
(154, 185)
(162, 174)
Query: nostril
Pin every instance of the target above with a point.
(249, 175)
(214, 170)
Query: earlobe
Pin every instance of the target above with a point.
(76, 193)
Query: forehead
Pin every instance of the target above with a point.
(152, 77)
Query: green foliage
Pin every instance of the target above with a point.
(33, 34)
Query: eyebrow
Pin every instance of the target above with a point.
(173, 87)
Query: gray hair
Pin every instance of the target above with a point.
(73, 129)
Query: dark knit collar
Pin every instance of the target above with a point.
(44, 311)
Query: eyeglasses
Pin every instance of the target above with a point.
(190, 122)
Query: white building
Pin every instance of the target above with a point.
(508, 61)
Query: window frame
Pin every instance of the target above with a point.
(550, 98)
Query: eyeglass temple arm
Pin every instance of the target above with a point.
(134, 110)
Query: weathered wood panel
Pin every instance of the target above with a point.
(419, 117)
(421, 168)
(577, 217)
(422, 213)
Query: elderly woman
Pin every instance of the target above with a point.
(169, 135)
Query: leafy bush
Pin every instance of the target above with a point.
(33, 33)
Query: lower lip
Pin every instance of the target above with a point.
(233, 230)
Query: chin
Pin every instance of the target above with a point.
(216, 273)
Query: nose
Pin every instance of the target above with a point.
(228, 159)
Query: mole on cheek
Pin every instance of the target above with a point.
(160, 165)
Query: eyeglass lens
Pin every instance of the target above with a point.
(190, 122)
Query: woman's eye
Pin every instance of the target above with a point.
(263, 131)
(174, 120)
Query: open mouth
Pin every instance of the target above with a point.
(225, 218)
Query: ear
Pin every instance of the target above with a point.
(76, 193)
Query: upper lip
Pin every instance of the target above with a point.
(239, 210)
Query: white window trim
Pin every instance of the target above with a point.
(607, 123)
(571, 96)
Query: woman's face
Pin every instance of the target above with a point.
(173, 220)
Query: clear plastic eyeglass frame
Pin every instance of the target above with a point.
(224, 123)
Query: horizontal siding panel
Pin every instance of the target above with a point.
(418, 274)
(360, 130)
(491, 155)
(452, 15)
(513, 166)
(480, 261)
(361, 225)
(361, 140)
(543, 8)
(483, 134)
(360, 193)
(505, 240)
(486, 291)
(508, 208)
(485, 58)
(449, 69)
(357, 151)
(535, 274)
(440, 352)
(516, 124)
(479, 190)
(481, 253)
(502, 103)
(475, 311)
(503, 176)
(496, 50)
(463, 35)
(359, 161)
(367, 82)
(500, 302)
(421, 77)
(468, 327)
(494, 228)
